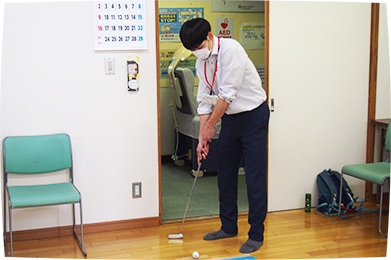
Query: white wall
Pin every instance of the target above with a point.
(53, 81)
(319, 64)
(383, 104)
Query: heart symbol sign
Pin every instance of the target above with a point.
(224, 25)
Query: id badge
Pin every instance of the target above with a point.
(210, 99)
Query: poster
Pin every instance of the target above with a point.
(133, 73)
(252, 35)
(119, 25)
(171, 20)
(166, 59)
(261, 73)
(225, 27)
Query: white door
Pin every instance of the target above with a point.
(319, 65)
(383, 106)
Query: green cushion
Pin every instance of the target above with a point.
(373, 172)
(40, 195)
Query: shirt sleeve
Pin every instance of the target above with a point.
(232, 66)
(202, 89)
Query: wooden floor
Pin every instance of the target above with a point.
(289, 235)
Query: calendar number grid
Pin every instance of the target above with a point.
(120, 25)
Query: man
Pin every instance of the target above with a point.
(231, 89)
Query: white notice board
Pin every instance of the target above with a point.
(120, 25)
(252, 35)
(238, 5)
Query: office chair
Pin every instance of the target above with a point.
(187, 120)
(28, 155)
(373, 172)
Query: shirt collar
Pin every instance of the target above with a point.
(215, 48)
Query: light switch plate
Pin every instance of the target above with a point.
(110, 66)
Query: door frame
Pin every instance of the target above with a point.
(374, 38)
(372, 85)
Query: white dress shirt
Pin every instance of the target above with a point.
(236, 81)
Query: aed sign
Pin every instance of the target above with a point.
(224, 27)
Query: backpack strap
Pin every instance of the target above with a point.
(349, 200)
(360, 208)
(351, 206)
(328, 212)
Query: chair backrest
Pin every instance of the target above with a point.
(188, 100)
(181, 54)
(36, 154)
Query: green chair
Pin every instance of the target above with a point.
(28, 155)
(373, 172)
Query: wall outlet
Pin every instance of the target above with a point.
(137, 190)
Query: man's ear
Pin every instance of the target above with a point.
(210, 36)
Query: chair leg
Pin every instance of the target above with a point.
(340, 197)
(81, 242)
(381, 210)
(389, 194)
(10, 226)
(9, 256)
(81, 229)
(4, 224)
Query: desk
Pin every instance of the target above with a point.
(382, 124)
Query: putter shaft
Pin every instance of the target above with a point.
(191, 194)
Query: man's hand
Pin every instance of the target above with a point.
(202, 151)
(207, 128)
(208, 133)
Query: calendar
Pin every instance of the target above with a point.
(120, 25)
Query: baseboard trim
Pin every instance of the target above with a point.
(375, 198)
(33, 234)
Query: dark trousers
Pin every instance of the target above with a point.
(244, 132)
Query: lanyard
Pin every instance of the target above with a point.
(214, 74)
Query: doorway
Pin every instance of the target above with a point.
(176, 181)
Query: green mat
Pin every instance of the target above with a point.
(176, 187)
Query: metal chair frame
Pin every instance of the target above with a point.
(6, 194)
(381, 183)
(365, 212)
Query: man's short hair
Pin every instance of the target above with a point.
(193, 32)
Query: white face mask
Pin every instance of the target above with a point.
(203, 53)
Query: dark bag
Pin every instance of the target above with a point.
(329, 182)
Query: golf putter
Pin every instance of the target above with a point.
(180, 235)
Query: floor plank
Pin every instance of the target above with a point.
(290, 234)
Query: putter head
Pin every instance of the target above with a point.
(175, 236)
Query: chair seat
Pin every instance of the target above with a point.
(40, 195)
(373, 172)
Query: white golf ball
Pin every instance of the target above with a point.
(195, 254)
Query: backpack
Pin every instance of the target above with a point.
(329, 182)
